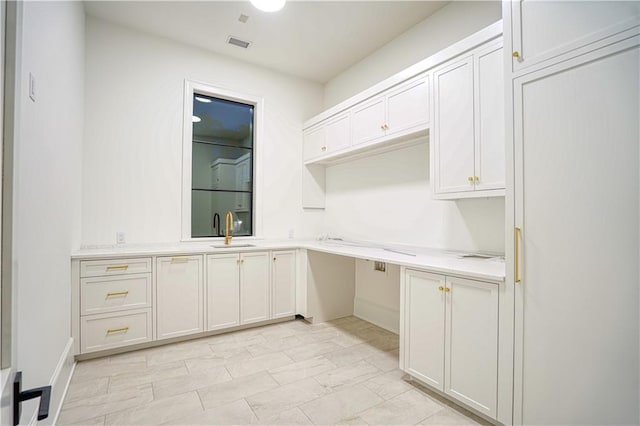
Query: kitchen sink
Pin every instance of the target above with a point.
(232, 245)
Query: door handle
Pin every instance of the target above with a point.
(44, 393)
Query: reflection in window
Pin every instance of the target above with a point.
(222, 166)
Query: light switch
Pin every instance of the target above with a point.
(120, 238)
(32, 87)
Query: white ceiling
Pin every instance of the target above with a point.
(315, 40)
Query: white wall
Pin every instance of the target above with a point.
(47, 191)
(377, 297)
(387, 198)
(133, 135)
(448, 25)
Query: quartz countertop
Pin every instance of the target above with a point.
(433, 260)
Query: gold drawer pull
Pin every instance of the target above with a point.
(117, 293)
(516, 54)
(470, 179)
(447, 289)
(117, 267)
(440, 288)
(117, 330)
(182, 259)
(324, 148)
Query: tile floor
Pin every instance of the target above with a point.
(340, 372)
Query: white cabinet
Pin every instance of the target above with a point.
(238, 289)
(223, 291)
(179, 296)
(254, 287)
(449, 336)
(544, 30)
(283, 284)
(328, 137)
(467, 149)
(399, 111)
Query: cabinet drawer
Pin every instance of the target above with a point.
(109, 294)
(107, 331)
(96, 268)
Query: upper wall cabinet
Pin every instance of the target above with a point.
(392, 116)
(544, 30)
(467, 140)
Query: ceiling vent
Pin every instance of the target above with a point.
(237, 42)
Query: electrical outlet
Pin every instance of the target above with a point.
(379, 266)
(120, 238)
(292, 234)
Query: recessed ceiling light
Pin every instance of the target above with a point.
(195, 119)
(268, 5)
(203, 100)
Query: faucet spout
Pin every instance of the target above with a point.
(228, 227)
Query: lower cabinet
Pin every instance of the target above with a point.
(283, 284)
(179, 296)
(449, 336)
(223, 291)
(254, 287)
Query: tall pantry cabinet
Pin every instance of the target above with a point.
(573, 80)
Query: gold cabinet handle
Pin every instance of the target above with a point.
(516, 54)
(117, 267)
(117, 293)
(516, 278)
(386, 127)
(476, 178)
(447, 289)
(274, 259)
(470, 178)
(117, 330)
(181, 259)
(382, 127)
(440, 288)
(324, 148)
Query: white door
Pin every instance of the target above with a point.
(408, 106)
(471, 344)
(423, 313)
(576, 167)
(314, 142)
(179, 296)
(283, 284)
(338, 133)
(254, 287)
(489, 130)
(543, 30)
(453, 133)
(368, 121)
(223, 291)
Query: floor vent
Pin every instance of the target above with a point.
(238, 42)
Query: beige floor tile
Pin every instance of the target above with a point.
(95, 406)
(295, 416)
(176, 385)
(255, 365)
(447, 417)
(347, 340)
(217, 359)
(96, 421)
(102, 367)
(347, 356)
(385, 361)
(385, 343)
(227, 392)
(405, 409)
(354, 421)
(234, 413)
(301, 370)
(344, 404)
(270, 404)
(275, 344)
(225, 346)
(128, 357)
(178, 352)
(147, 375)
(311, 350)
(388, 385)
(348, 375)
(87, 388)
(158, 411)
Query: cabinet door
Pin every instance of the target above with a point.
(453, 133)
(254, 287)
(338, 133)
(489, 153)
(314, 142)
(223, 292)
(424, 316)
(179, 287)
(283, 284)
(471, 344)
(408, 107)
(369, 121)
(543, 30)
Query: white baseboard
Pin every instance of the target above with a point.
(59, 384)
(382, 316)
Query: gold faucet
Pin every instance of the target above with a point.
(228, 227)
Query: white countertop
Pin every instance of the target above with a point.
(437, 261)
